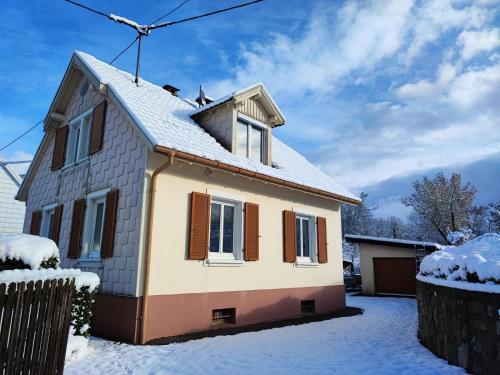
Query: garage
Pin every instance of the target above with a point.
(394, 275)
(389, 265)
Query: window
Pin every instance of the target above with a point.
(78, 138)
(47, 220)
(305, 241)
(250, 141)
(94, 224)
(225, 229)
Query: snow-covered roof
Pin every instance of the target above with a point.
(12, 173)
(239, 92)
(165, 120)
(390, 241)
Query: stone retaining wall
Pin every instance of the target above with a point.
(460, 326)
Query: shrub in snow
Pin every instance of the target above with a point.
(477, 261)
(460, 237)
(83, 298)
(24, 251)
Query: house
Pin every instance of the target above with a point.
(12, 211)
(193, 217)
(389, 265)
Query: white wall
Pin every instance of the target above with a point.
(11, 211)
(171, 271)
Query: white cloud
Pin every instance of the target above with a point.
(333, 46)
(435, 17)
(363, 99)
(475, 42)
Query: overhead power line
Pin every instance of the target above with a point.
(169, 12)
(161, 25)
(158, 19)
(145, 30)
(111, 62)
(22, 135)
(88, 8)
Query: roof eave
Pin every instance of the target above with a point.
(252, 174)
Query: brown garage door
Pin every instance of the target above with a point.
(394, 275)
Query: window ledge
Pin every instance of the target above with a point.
(306, 264)
(224, 262)
(71, 166)
(90, 263)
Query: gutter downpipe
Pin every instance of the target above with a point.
(152, 195)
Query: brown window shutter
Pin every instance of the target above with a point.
(75, 238)
(108, 236)
(36, 218)
(56, 225)
(289, 237)
(200, 219)
(59, 152)
(251, 231)
(97, 130)
(322, 244)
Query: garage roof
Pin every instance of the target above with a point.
(396, 242)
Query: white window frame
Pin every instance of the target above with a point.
(236, 256)
(249, 125)
(89, 227)
(312, 259)
(48, 211)
(78, 149)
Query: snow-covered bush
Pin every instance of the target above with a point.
(460, 237)
(24, 251)
(476, 261)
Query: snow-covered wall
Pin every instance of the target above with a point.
(11, 211)
(119, 165)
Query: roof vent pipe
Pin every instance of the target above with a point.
(171, 89)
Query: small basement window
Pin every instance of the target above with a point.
(224, 316)
(307, 307)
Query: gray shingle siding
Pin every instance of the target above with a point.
(119, 165)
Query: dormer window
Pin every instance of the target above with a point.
(250, 141)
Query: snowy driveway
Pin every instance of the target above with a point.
(381, 341)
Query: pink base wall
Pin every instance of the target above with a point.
(170, 315)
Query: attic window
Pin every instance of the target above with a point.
(250, 141)
(78, 138)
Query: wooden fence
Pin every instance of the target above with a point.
(34, 326)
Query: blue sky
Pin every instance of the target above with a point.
(377, 93)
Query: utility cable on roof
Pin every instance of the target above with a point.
(22, 135)
(158, 19)
(125, 50)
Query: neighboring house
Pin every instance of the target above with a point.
(389, 265)
(11, 211)
(194, 218)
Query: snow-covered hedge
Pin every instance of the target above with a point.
(18, 251)
(476, 261)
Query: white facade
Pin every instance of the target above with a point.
(11, 211)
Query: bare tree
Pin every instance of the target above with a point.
(443, 203)
(357, 219)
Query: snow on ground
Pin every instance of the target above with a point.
(381, 341)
